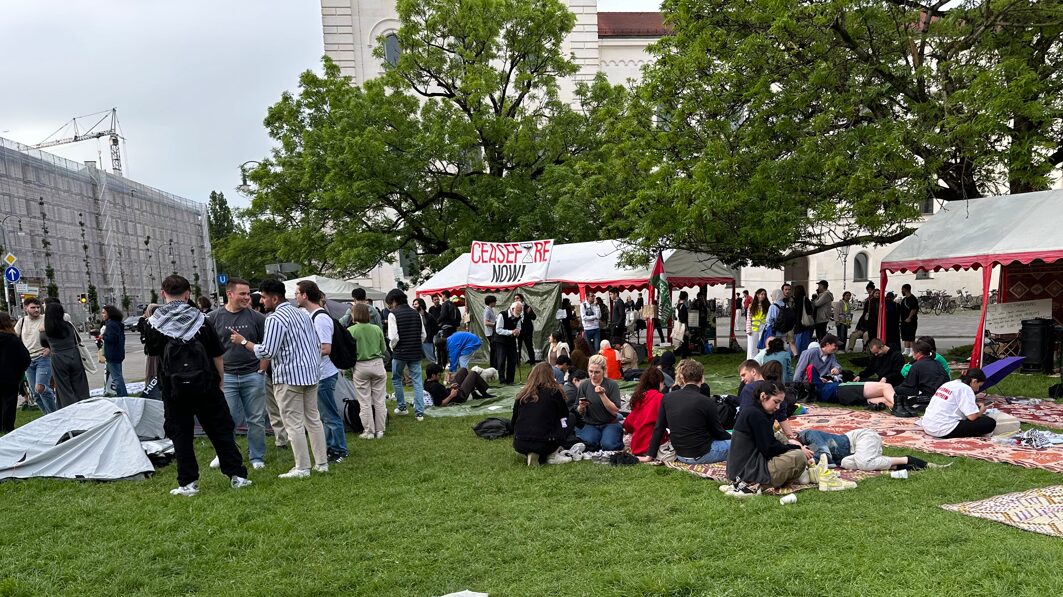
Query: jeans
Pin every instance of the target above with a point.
(717, 453)
(331, 417)
(397, 367)
(835, 446)
(842, 331)
(593, 338)
(40, 374)
(429, 350)
(247, 394)
(463, 360)
(602, 437)
(114, 372)
(803, 339)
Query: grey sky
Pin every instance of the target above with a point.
(191, 80)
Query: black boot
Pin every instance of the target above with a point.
(900, 407)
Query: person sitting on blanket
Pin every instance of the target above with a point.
(599, 405)
(463, 385)
(540, 417)
(757, 457)
(937, 357)
(925, 375)
(561, 369)
(629, 359)
(821, 359)
(752, 375)
(885, 364)
(856, 450)
(575, 378)
(776, 351)
(645, 403)
(691, 420)
(954, 412)
(612, 360)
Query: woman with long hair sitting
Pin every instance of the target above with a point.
(645, 404)
(538, 412)
(757, 459)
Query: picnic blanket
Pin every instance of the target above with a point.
(1048, 413)
(906, 433)
(717, 471)
(1036, 510)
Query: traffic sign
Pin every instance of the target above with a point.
(10, 259)
(223, 278)
(11, 274)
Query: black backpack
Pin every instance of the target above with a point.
(187, 368)
(785, 320)
(493, 428)
(728, 410)
(352, 416)
(344, 353)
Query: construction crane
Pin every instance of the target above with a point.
(91, 133)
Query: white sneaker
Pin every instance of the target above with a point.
(258, 464)
(401, 411)
(577, 448)
(321, 468)
(420, 417)
(216, 463)
(366, 435)
(558, 457)
(239, 482)
(295, 473)
(379, 434)
(186, 490)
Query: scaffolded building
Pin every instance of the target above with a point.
(76, 226)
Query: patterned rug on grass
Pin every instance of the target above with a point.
(1046, 414)
(906, 433)
(718, 472)
(1036, 510)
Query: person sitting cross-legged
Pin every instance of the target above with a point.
(645, 404)
(924, 378)
(463, 385)
(691, 420)
(757, 458)
(599, 404)
(954, 411)
(540, 416)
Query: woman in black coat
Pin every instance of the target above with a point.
(757, 459)
(14, 360)
(538, 412)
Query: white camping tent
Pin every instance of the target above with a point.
(89, 440)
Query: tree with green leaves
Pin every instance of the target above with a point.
(220, 220)
(767, 131)
(463, 139)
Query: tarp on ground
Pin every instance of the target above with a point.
(545, 300)
(88, 440)
(339, 290)
(595, 265)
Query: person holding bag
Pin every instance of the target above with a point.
(70, 358)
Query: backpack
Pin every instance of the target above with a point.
(785, 320)
(493, 428)
(728, 410)
(344, 353)
(351, 415)
(187, 368)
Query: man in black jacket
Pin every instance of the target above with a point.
(885, 364)
(692, 421)
(617, 315)
(406, 334)
(449, 316)
(924, 378)
(526, 329)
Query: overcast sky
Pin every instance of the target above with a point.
(191, 80)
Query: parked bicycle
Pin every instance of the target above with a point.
(936, 302)
(967, 300)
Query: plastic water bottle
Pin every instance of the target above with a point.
(788, 499)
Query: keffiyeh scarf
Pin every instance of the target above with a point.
(177, 320)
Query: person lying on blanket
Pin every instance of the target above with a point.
(954, 411)
(857, 450)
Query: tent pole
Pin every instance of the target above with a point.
(976, 351)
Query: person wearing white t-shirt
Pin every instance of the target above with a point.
(310, 298)
(954, 412)
(590, 315)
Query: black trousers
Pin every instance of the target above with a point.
(469, 383)
(8, 407)
(526, 343)
(821, 331)
(543, 449)
(507, 359)
(213, 415)
(983, 425)
(493, 351)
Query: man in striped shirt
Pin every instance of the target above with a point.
(292, 345)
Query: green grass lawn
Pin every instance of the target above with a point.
(432, 509)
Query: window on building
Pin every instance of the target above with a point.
(391, 49)
(860, 267)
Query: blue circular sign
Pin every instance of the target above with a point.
(11, 274)
(223, 278)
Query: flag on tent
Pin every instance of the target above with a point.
(659, 281)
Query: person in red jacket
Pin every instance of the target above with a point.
(612, 361)
(645, 403)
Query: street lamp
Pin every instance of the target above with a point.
(244, 187)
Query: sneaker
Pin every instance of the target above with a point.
(830, 481)
(216, 463)
(239, 482)
(321, 468)
(295, 473)
(420, 417)
(283, 447)
(727, 488)
(258, 464)
(380, 435)
(578, 448)
(337, 457)
(401, 411)
(186, 490)
(744, 491)
(533, 459)
(365, 435)
(558, 457)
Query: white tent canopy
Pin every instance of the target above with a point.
(595, 265)
(334, 289)
(983, 232)
(90, 440)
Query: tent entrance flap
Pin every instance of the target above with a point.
(544, 299)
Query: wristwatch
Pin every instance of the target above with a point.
(244, 342)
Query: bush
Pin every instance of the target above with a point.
(960, 353)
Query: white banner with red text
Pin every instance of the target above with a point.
(493, 265)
